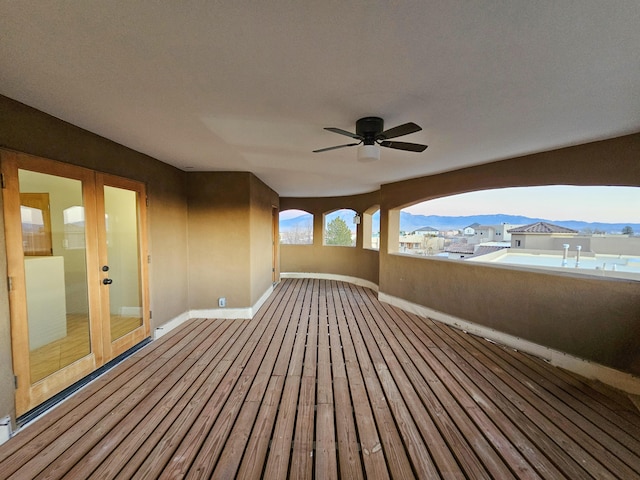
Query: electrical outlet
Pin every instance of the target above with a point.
(222, 302)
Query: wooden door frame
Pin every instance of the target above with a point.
(124, 343)
(275, 238)
(29, 395)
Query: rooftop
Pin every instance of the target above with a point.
(542, 227)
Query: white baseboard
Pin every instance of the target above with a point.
(610, 376)
(170, 325)
(5, 429)
(217, 313)
(331, 276)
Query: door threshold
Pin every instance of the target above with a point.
(58, 398)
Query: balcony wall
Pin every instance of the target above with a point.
(594, 319)
(355, 261)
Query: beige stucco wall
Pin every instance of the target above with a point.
(230, 238)
(219, 242)
(355, 261)
(263, 233)
(596, 319)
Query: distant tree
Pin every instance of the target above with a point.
(298, 235)
(338, 233)
(628, 230)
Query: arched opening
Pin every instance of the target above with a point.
(340, 228)
(296, 227)
(585, 229)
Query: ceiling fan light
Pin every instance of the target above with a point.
(368, 153)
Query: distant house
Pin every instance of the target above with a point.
(426, 231)
(421, 244)
(491, 233)
(489, 247)
(471, 229)
(502, 232)
(460, 250)
(483, 233)
(547, 236)
(540, 236)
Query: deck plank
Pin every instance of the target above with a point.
(395, 453)
(150, 414)
(372, 454)
(609, 445)
(47, 428)
(114, 408)
(501, 390)
(349, 462)
(327, 382)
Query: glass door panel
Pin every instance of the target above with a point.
(123, 261)
(55, 267)
(78, 288)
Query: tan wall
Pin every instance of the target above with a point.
(219, 239)
(317, 258)
(230, 238)
(28, 130)
(351, 262)
(263, 200)
(548, 242)
(597, 319)
(590, 318)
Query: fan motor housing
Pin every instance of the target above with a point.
(369, 128)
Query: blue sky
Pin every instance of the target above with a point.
(557, 202)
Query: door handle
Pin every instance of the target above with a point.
(107, 281)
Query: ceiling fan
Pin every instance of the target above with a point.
(370, 133)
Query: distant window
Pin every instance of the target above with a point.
(296, 227)
(600, 225)
(340, 228)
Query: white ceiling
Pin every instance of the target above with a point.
(246, 85)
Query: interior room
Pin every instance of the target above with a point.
(149, 155)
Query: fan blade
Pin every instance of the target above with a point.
(410, 147)
(343, 132)
(400, 130)
(337, 146)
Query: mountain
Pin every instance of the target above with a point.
(410, 222)
(299, 222)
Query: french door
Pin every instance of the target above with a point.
(77, 266)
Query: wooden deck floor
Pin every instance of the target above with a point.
(327, 382)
